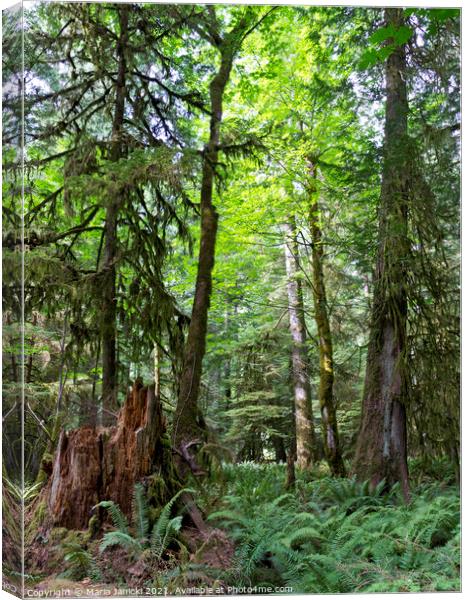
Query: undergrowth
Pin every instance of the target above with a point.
(140, 541)
(155, 540)
(338, 535)
(325, 536)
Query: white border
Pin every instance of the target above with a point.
(408, 3)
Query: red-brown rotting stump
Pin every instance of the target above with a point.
(103, 463)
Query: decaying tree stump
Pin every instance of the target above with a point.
(103, 463)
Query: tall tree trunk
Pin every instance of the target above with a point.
(301, 382)
(109, 300)
(186, 429)
(326, 360)
(382, 443)
(227, 364)
(279, 449)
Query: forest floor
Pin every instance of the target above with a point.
(326, 536)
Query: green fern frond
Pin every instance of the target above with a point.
(305, 518)
(118, 518)
(161, 539)
(229, 515)
(165, 527)
(81, 563)
(281, 499)
(119, 538)
(140, 512)
(303, 536)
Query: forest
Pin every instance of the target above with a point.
(231, 299)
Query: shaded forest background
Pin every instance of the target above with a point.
(243, 222)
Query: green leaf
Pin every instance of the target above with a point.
(403, 34)
(368, 59)
(382, 34)
(399, 35)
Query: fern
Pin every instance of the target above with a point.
(163, 532)
(303, 536)
(140, 512)
(162, 535)
(338, 535)
(281, 499)
(165, 528)
(118, 518)
(81, 563)
(119, 538)
(229, 515)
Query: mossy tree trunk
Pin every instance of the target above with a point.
(109, 299)
(305, 438)
(326, 360)
(188, 427)
(186, 422)
(382, 443)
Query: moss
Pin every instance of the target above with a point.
(94, 526)
(41, 476)
(36, 521)
(156, 494)
(157, 490)
(45, 468)
(59, 538)
(55, 544)
(160, 489)
(76, 537)
(57, 534)
(165, 441)
(47, 458)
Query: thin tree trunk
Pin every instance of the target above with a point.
(326, 360)
(227, 365)
(95, 376)
(188, 427)
(109, 300)
(382, 443)
(14, 369)
(186, 424)
(279, 449)
(30, 363)
(62, 376)
(157, 371)
(28, 377)
(290, 471)
(301, 382)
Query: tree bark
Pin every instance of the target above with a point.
(290, 471)
(109, 300)
(326, 361)
(279, 449)
(305, 438)
(382, 443)
(186, 426)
